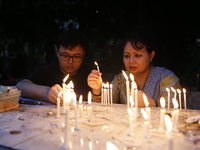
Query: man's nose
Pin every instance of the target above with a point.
(70, 60)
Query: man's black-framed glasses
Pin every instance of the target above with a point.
(66, 57)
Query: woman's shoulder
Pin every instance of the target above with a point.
(163, 70)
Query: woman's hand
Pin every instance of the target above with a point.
(52, 93)
(94, 81)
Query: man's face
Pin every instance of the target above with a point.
(70, 60)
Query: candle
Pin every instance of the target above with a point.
(168, 124)
(64, 91)
(75, 112)
(184, 94)
(132, 84)
(102, 94)
(136, 98)
(168, 101)
(66, 132)
(80, 106)
(134, 110)
(89, 107)
(162, 114)
(127, 88)
(146, 124)
(180, 103)
(98, 69)
(111, 97)
(110, 146)
(58, 105)
(173, 90)
(130, 121)
(175, 114)
(108, 95)
(148, 109)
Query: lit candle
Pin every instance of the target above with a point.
(110, 146)
(136, 98)
(179, 94)
(127, 88)
(130, 112)
(175, 115)
(105, 94)
(168, 101)
(102, 94)
(162, 114)
(98, 69)
(173, 90)
(148, 109)
(168, 124)
(64, 91)
(89, 107)
(132, 84)
(184, 94)
(146, 124)
(108, 95)
(111, 97)
(58, 104)
(80, 106)
(75, 112)
(134, 111)
(66, 133)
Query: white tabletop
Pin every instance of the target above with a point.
(36, 127)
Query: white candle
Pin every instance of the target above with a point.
(127, 88)
(146, 124)
(168, 101)
(108, 95)
(64, 91)
(98, 69)
(134, 111)
(162, 114)
(130, 121)
(148, 109)
(80, 106)
(75, 112)
(132, 84)
(111, 97)
(174, 92)
(89, 107)
(179, 98)
(102, 94)
(169, 140)
(136, 98)
(66, 132)
(184, 94)
(58, 104)
(175, 115)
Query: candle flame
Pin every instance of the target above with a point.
(90, 145)
(111, 146)
(71, 85)
(173, 90)
(65, 79)
(89, 97)
(131, 77)
(168, 90)
(134, 85)
(96, 63)
(80, 99)
(125, 76)
(168, 123)
(59, 94)
(111, 86)
(162, 102)
(144, 113)
(68, 96)
(175, 103)
(179, 91)
(146, 102)
(74, 97)
(184, 91)
(62, 139)
(70, 144)
(130, 112)
(131, 101)
(81, 141)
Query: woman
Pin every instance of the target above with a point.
(137, 58)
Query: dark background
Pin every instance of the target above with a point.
(30, 27)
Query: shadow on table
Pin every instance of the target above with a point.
(193, 100)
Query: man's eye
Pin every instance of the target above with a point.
(65, 56)
(76, 56)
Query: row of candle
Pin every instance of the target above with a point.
(106, 95)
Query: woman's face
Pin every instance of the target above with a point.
(135, 61)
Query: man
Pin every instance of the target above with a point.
(46, 81)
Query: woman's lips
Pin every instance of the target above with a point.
(132, 68)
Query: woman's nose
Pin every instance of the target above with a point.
(132, 60)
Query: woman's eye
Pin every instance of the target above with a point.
(138, 55)
(126, 56)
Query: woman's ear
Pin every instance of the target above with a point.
(152, 55)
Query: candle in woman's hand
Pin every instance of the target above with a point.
(168, 100)
(127, 88)
(162, 114)
(58, 104)
(184, 94)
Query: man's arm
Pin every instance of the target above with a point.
(31, 90)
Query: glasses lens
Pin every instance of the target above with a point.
(76, 58)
